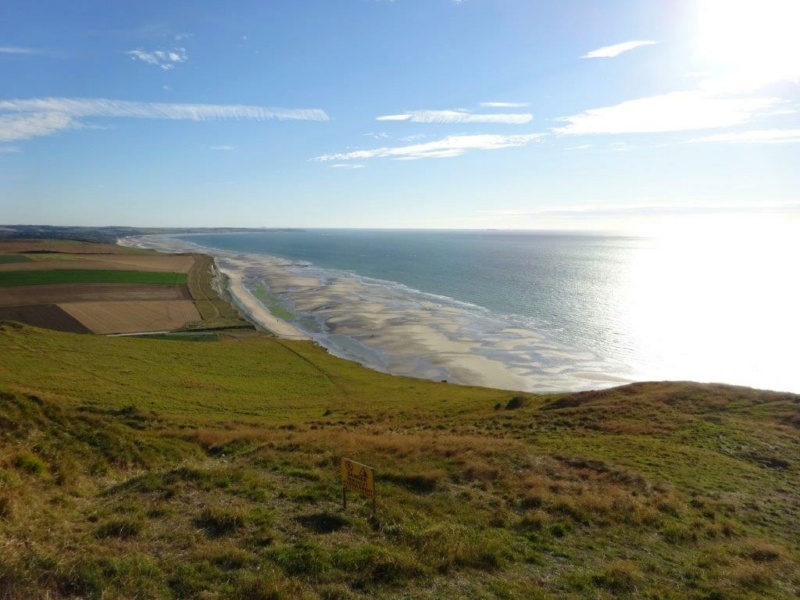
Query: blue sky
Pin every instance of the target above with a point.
(523, 114)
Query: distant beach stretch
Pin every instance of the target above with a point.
(519, 310)
(391, 328)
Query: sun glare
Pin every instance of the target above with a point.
(752, 42)
(710, 304)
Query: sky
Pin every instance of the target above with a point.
(629, 115)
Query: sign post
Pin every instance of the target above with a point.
(358, 478)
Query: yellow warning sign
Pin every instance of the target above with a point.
(358, 478)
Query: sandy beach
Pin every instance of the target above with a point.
(256, 311)
(393, 329)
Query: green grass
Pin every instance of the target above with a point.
(6, 259)
(198, 336)
(215, 311)
(157, 469)
(75, 276)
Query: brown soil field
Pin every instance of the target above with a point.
(89, 292)
(45, 316)
(72, 247)
(177, 263)
(133, 316)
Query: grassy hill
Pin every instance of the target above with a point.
(136, 468)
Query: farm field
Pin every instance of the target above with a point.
(63, 247)
(130, 316)
(74, 276)
(147, 468)
(109, 289)
(90, 292)
(10, 259)
(47, 316)
(179, 263)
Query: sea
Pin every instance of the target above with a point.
(551, 311)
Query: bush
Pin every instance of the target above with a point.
(515, 402)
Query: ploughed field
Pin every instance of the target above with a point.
(80, 287)
(147, 468)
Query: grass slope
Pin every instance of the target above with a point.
(76, 276)
(165, 469)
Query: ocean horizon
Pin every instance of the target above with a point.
(530, 311)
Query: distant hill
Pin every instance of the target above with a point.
(106, 235)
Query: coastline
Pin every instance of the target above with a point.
(394, 329)
(253, 310)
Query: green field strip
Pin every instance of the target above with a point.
(8, 259)
(62, 276)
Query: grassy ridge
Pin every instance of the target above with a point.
(77, 276)
(174, 470)
(216, 312)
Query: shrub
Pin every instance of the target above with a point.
(515, 402)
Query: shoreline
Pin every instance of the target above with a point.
(257, 312)
(394, 329)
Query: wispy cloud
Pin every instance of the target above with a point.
(448, 147)
(617, 49)
(504, 104)
(26, 126)
(227, 148)
(9, 150)
(762, 136)
(44, 116)
(165, 59)
(457, 116)
(677, 111)
(102, 107)
(348, 166)
(18, 50)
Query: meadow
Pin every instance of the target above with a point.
(162, 468)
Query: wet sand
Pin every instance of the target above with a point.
(396, 330)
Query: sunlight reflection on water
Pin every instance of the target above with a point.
(714, 308)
